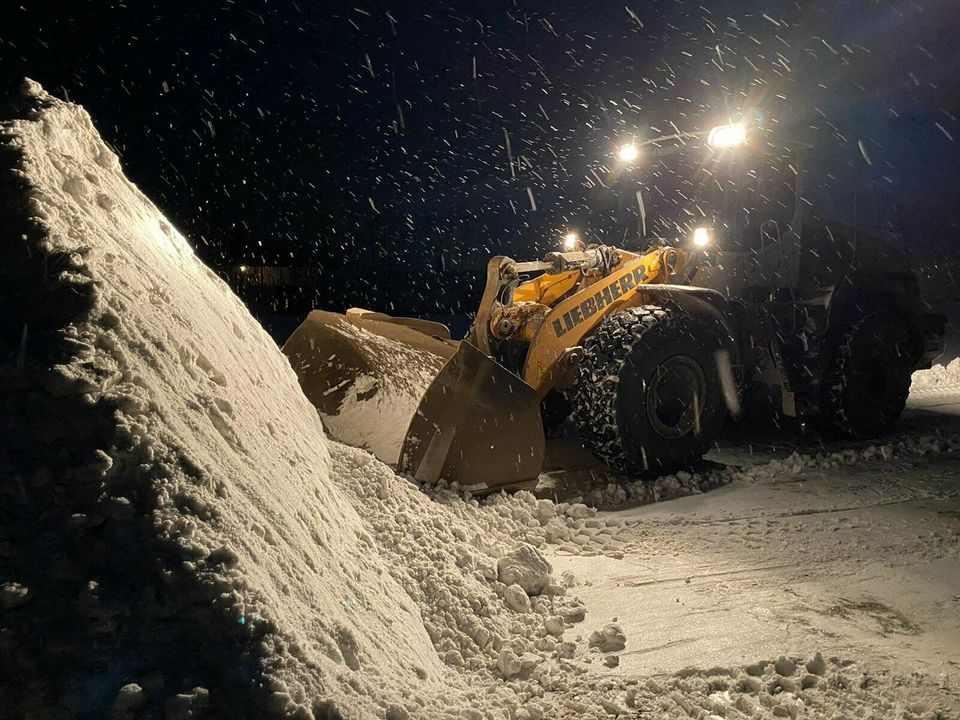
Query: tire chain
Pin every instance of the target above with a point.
(834, 381)
(605, 353)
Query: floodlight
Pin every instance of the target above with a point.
(723, 137)
(702, 236)
(628, 153)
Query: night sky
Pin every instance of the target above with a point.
(369, 138)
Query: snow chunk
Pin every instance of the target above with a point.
(610, 638)
(129, 700)
(525, 567)
(516, 598)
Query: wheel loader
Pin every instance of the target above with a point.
(648, 350)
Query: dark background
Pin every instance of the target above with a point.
(366, 140)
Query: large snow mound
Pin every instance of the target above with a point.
(176, 539)
(159, 426)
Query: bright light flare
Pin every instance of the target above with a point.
(723, 137)
(570, 241)
(701, 236)
(628, 153)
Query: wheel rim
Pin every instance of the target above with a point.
(675, 397)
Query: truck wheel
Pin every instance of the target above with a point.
(866, 381)
(648, 397)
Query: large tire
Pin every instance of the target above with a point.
(633, 395)
(866, 380)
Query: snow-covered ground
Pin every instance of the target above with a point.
(847, 550)
(179, 538)
(859, 560)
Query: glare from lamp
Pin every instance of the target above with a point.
(243, 268)
(701, 237)
(570, 241)
(724, 137)
(628, 153)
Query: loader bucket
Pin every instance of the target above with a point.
(366, 374)
(477, 425)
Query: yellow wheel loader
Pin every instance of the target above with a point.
(641, 357)
(768, 300)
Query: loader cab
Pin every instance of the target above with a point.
(791, 209)
(797, 215)
(752, 199)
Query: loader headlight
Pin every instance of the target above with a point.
(628, 153)
(723, 137)
(702, 236)
(571, 242)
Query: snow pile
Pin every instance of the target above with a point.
(939, 377)
(176, 538)
(488, 599)
(170, 509)
(627, 493)
(797, 463)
